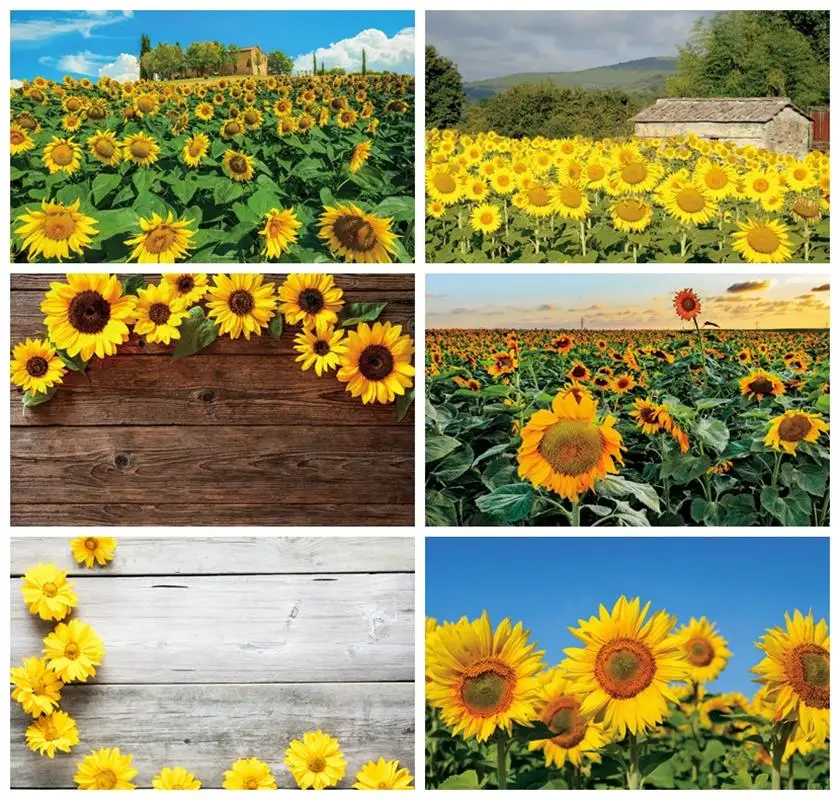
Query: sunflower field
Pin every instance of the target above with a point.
(628, 708)
(294, 169)
(642, 427)
(683, 199)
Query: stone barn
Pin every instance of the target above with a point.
(773, 123)
(251, 61)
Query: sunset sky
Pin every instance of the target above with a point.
(624, 301)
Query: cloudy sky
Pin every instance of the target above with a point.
(624, 301)
(96, 43)
(488, 44)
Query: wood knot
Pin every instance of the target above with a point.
(141, 343)
(207, 395)
(122, 460)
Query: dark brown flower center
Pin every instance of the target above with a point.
(321, 347)
(699, 652)
(808, 670)
(376, 362)
(241, 302)
(37, 366)
(564, 718)
(572, 447)
(311, 301)
(648, 415)
(354, 233)
(794, 428)
(159, 313)
(761, 386)
(239, 165)
(624, 667)
(489, 691)
(688, 304)
(186, 283)
(160, 239)
(16, 137)
(579, 372)
(89, 312)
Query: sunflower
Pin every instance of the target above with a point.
(241, 304)
(161, 241)
(537, 199)
(37, 687)
(238, 166)
(625, 667)
(310, 299)
(689, 203)
(649, 416)
(623, 383)
(504, 363)
(88, 550)
(482, 680)
(715, 177)
(687, 304)
(346, 118)
(321, 346)
(383, 774)
(636, 176)
(566, 449)
(486, 218)
(47, 592)
(762, 242)
(559, 710)
(170, 778)
(631, 215)
(377, 363)
(47, 734)
(35, 366)
(361, 153)
(578, 372)
(253, 118)
(104, 147)
(159, 313)
(795, 673)
(249, 773)
(231, 128)
(19, 140)
(189, 287)
(73, 651)
(140, 149)
(442, 185)
(204, 111)
(562, 344)
(62, 155)
(55, 231)
(316, 761)
(758, 384)
(280, 232)
(354, 235)
(106, 768)
(793, 427)
(704, 649)
(195, 149)
(435, 209)
(570, 202)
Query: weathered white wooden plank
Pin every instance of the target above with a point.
(241, 629)
(206, 728)
(214, 555)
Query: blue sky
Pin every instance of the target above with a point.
(624, 300)
(94, 43)
(745, 585)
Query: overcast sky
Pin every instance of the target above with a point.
(488, 44)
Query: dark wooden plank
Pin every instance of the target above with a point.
(208, 390)
(230, 514)
(307, 465)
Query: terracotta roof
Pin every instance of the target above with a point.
(715, 109)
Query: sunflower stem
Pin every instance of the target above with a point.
(583, 238)
(791, 783)
(634, 778)
(501, 758)
(775, 477)
(702, 347)
(683, 240)
(576, 514)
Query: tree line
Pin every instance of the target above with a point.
(729, 54)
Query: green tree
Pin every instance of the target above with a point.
(750, 54)
(444, 91)
(279, 63)
(364, 62)
(314, 64)
(145, 47)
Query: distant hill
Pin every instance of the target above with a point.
(642, 76)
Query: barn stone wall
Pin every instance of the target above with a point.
(789, 132)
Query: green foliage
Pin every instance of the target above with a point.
(145, 47)
(444, 91)
(756, 54)
(279, 63)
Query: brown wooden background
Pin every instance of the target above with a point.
(236, 435)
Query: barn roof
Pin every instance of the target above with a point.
(716, 109)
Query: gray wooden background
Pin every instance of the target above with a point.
(221, 648)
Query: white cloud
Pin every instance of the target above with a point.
(383, 53)
(125, 67)
(34, 30)
(15, 83)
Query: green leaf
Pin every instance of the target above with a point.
(512, 503)
(455, 465)
(196, 333)
(713, 433)
(74, 363)
(811, 478)
(143, 179)
(438, 446)
(650, 761)
(537, 732)
(713, 750)
(354, 313)
(684, 468)
(793, 510)
(35, 399)
(225, 192)
(401, 209)
(132, 284)
(218, 148)
(489, 453)
(440, 510)
(616, 486)
(465, 780)
(262, 201)
(739, 509)
(275, 327)
(403, 404)
(103, 185)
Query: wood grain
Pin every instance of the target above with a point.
(207, 727)
(268, 628)
(204, 555)
(237, 435)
